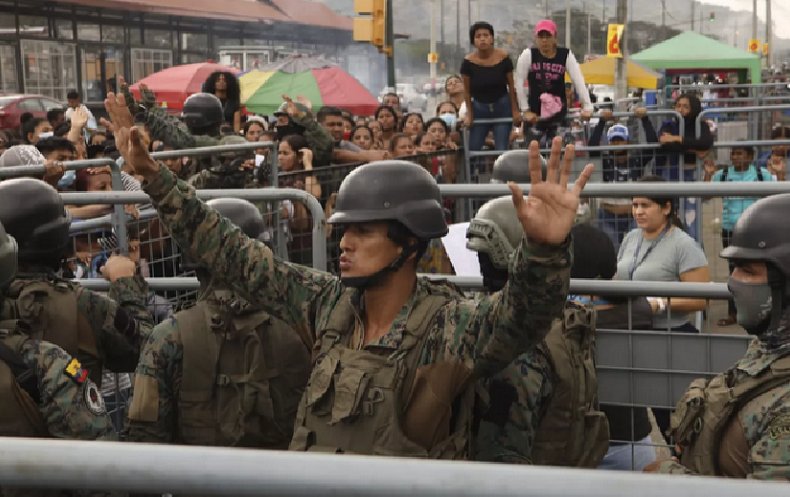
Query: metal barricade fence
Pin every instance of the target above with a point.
(145, 468)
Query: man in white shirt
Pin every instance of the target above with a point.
(74, 102)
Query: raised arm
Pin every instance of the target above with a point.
(522, 71)
(247, 265)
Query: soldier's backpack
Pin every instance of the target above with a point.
(243, 377)
(572, 430)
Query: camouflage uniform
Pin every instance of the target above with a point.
(479, 336)
(516, 399)
(757, 439)
(120, 321)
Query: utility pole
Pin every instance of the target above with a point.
(768, 33)
(568, 23)
(391, 45)
(754, 19)
(621, 82)
(589, 27)
(663, 15)
(457, 51)
(441, 22)
(434, 16)
(694, 13)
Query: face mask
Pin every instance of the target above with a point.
(46, 134)
(753, 303)
(67, 179)
(449, 119)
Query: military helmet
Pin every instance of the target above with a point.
(758, 235)
(392, 190)
(8, 258)
(241, 213)
(33, 213)
(495, 231)
(202, 111)
(513, 165)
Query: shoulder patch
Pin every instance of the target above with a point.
(780, 427)
(93, 399)
(76, 372)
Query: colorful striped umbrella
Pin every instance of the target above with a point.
(173, 85)
(322, 82)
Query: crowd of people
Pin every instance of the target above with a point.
(370, 358)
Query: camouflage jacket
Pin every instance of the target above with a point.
(211, 180)
(516, 399)
(120, 321)
(483, 335)
(70, 403)
(765, 421)
(319, 139)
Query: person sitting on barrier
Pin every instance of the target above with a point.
(412, 338)
(489, 91)
(224, 372)
(29, 155)
(681, 147)
(737, 424)
(742, 169)
(619, 166)
(543, 67)
(660, 250)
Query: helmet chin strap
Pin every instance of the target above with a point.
(377, 278)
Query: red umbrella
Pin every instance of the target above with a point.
(174, 84)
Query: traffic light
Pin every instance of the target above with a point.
(712, 17)
(370, 24)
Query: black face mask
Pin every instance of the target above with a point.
(494, 279)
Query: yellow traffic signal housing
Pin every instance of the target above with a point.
(371, 23)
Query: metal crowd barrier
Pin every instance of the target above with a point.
(150, 468)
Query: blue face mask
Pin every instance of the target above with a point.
(449, 119)
(67, 179)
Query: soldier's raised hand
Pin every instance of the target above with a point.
(119, 113)
(547, 214)
(135, 153)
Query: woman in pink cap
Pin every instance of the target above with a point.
(544, 67)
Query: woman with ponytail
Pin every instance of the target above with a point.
(660, 250)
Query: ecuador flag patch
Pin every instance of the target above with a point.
(76, 372)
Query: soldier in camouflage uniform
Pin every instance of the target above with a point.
(228, 170)
(542, 408)
(738, 423)
(223, 372)
(391, 352)
(100, 331)
(44, 392)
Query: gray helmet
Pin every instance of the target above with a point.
(33, 213)
(8, 258)
(241, 213)
(392, 190)
(513, 165)
(496, 231)
(202, 111)
(231, 161)
(759, 236)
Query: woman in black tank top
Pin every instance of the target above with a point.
(489, 89)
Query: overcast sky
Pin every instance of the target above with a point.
(780, 11)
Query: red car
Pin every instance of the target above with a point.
(14, 105)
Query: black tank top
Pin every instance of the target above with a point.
(547, 76)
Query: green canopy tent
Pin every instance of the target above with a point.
(695, 52)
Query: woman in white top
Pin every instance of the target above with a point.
(544, 67)
(659, 250)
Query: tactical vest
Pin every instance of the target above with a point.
(243, 376)
(361, 402)
(19, 415)
(572, 431)
(49, 307)
(708, 406)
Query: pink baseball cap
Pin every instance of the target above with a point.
(546, 25)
